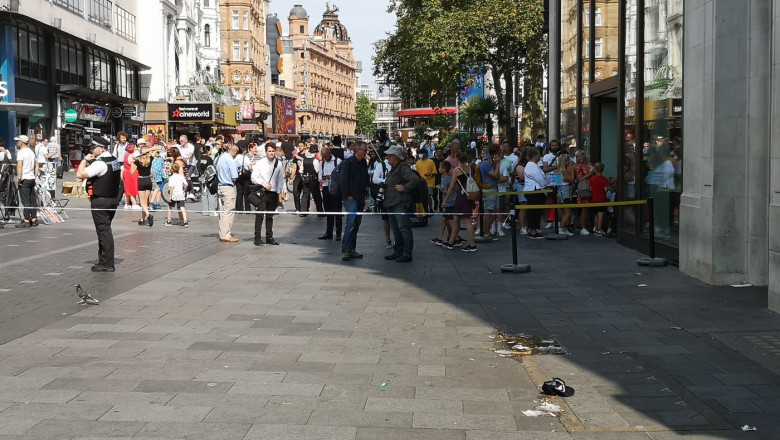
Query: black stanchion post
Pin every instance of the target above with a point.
(653, 261)
(514, 267)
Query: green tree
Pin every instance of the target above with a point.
(477, 113)
(437, 42)
(364, 112)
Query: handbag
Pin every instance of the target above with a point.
(583, 190)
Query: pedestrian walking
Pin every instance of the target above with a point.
(227, 174)
(400, 182)
(353, 182)
(103, 174)
(177, 194)
(331, 202)
(268, 174)
(27, 168)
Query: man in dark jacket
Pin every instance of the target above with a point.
(353, 184)
(400, 181)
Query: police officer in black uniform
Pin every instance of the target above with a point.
(102, 172)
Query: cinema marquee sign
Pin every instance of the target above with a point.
(190, 112)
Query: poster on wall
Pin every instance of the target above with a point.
(156, 133)
(284, 115)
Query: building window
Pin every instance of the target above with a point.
(99, 70)
(205, 3)
(246, 51)
(100, 12)
(74, 6)
(69, 63)
(236, 51)
(124, 24)
(30, 53)
(126, 77)
(246, 21)
(207, 36)
(302, 29)
(235, 21)
(248, 95)
(598, 48)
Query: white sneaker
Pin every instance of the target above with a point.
(501, 232)
(566, 231)
(136, 207)
(477, 231)
(523, 231)
(584, 232)
(549, 226)
(127, 206)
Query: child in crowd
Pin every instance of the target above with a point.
(448, 206)
(177, 187)
(598, 187)
(610, 231)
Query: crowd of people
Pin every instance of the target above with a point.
(238, 175)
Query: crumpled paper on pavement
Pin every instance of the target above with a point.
(545, 409)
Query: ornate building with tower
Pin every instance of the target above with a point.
(325, 67)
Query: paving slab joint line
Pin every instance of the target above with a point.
(573, 424)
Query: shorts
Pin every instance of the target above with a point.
(144, 184)
(176, 204)
(600, 209)
(448, 210)
(490, 203)
(160, 185)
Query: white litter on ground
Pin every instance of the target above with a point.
(520, 347)
(533, 413)
(748, 428)
(550, 407)
(741, 285)
(504, 352)
(545, 409)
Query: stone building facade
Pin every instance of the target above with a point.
(325, 67)
(243, 69)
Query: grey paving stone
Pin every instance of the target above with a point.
(464, 421)
(183, 386)
(525, 435)
(361, 418)
(414, 405)
(293, 432)
(221, 346)
(53, 411)
(13, 425)
(119, 398)
(194, 431)
(92, 385)
(156, 413)
(59, 429)
(248, 414)
(36, 396)
(476, 394)
(276, 389)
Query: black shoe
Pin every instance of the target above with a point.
(101, 268)
(353, 254)
(403, 259)
(393, 256)
(325, 237)
(338, 238)
(22, 225)
(345, 255)
(34, 223)
(150, 220)
(271, 241)
(140, 222)
(258, 243)
(303, 215)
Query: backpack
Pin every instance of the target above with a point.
(420, 192)
(209, 177)
(334, 186)
(471, 190)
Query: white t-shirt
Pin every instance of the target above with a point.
(178, 184)
(27, 158)
(98, 167)
(188, 153)
(503, 172)
(40, 153)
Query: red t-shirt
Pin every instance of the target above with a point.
(598, 186)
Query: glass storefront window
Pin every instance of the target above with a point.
(662, 125)
(629, 151)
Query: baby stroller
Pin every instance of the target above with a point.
(49, 209)
(9, 192)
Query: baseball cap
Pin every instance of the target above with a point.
(22, 138)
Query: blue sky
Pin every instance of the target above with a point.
(366, 21)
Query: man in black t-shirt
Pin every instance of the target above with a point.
(287, 147)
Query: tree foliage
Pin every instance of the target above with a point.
(437, 42)
(364, 112)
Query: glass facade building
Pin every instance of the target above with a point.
(621, 104)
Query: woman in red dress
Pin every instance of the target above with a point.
(130, 179)
(583, 170)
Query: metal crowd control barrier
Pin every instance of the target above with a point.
(515, 267)
(481, 238)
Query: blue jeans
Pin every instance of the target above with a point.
(352, 225)
(401, 224)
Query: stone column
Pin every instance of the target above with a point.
(724, 206)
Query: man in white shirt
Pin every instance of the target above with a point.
(331, 203)
(187, 151)
(26, 170)
(381, 169)
(269, 174)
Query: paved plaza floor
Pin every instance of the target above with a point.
(197, 339)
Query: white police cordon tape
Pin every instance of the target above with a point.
(292, 213)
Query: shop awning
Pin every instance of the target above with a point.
(423, 112)
(22, 109)
(86, 92)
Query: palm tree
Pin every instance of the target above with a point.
(478, 112)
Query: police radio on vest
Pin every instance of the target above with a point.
(3, 89)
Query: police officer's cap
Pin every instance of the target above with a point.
(99, 141)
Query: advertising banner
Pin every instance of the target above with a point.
(156, 133)
(284, 115)
(247, 112)
(473, 85)
(190, 112)
(93, 113)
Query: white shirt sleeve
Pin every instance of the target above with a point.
(96, 169)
